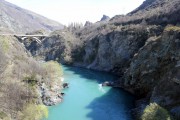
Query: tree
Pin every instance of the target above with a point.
(74, 26)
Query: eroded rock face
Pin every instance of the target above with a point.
(154, 59)
(166, 92)
(114, 49)
(154, 71)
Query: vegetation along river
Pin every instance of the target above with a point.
(86, 99)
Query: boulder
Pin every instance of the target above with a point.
(107, 83)
(65, 85)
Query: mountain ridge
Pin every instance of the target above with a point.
(15, 19)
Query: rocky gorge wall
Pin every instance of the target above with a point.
(147, 63)
(142, 48)
(145, 57)
(154, 71)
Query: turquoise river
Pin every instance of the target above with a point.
(86, 99)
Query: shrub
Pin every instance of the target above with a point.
(54, 67)
(172, 28)
(3, 60)
(31, 80)
(34, 112)
(4, 42)
(53, 74)
(155, 112)
(3, 115)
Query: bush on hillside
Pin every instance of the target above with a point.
(155, 112)
(54, 72)
(4, 42)
(54, 68)
(31, 80)
(3, 60)
(4, 116)
(172, 28)
(34, 112)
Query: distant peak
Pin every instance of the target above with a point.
(105, 18)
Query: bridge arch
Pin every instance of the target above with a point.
(37, 38)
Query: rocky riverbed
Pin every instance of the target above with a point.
(51, 96)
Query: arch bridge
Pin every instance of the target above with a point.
(37, 38)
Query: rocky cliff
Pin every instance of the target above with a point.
(154, 71)
(153, 12)
(142, 48)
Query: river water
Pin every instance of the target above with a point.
(86, 99)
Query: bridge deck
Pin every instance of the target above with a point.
(21, 35)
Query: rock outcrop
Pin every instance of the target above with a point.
(112, 51)
(155, 59)
(154, 71)
(105, 18)
(50, 96)
(153, 12)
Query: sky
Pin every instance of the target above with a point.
(68, 11)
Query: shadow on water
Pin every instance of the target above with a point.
(98, 76)
(114, 105)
